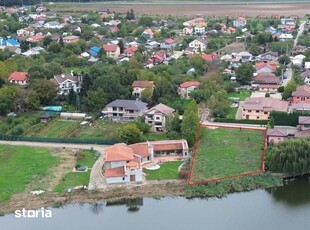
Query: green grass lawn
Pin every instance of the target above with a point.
(232, 113)
(17, 125)
(73, 179)
(242, 95)
(19, 165)
(223, 152)
(154, 136)
(167, 170)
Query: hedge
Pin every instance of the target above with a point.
(287, 119)
(255, 122)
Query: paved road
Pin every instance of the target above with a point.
(300, 31)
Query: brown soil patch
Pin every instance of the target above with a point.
(236, 47)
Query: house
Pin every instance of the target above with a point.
(263, 67)
(26, 32)
(53, 25)
(209, 57)
(199, 45)
(168, 43)
(159, 57)
(266, 82)
(112, 51)
(298, 60)
(14, 49)
(187, 87)
(307, 65)
(148, 33)
(259, 108)
(113, 22)
(8, 42)
(288, 21)
(298, 50)
(131, 51)
(20, 78)
(303, 123)
(230, 30)
(269, 56)
(199, 30)
(124, 110)
(187, 31)
(71, 39)
(239, 22)
(66, 82)
(284, 37)
(33, 51)
(121, 165)
(152, 45)
(94, 51)
(301, 95)
(306, 76)
(156, 116)
(36, 38)
(300, 107)
(277, 135)
(196, 22)
(139, 86)
(113, 29)
(244, 56)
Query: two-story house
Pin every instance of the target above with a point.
(20, 78)
(124, 110)
(187, 87)
(259, 108)
(263, 67)
(298, 50)
(71, 39)
(156, 116)
(198, 45)
(112, 50)
(66, 82)
(301, 95)
(53, 25)
(239, 22)
(148, 33)
(168, 43)
(266, 82)
(139, 86)
(269, 56)
(198, 22)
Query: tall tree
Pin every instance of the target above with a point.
(46, 90)
(86, 85)
(190, 123)
(244, 73)
(129, 134)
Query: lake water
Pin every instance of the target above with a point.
(287, 207)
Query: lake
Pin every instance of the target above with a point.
(287, 207)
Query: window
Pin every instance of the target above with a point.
(249, 111)
(265, 112)
(114, 114)
(257, 117)
(114, 108)
(157, 118)
(123, 178)
(307, 126)
(257, 111)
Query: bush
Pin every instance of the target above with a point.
(281, 89)
(267, 95)
(287, 119)
(227, 120)
(173, 135)
(144, 128)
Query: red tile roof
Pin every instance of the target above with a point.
(261, 65)
(140, 149)
(115, 172)
(118, 152)
(142, 84)
(189, 84)
(169, 41)
(168, 146)
(209, 57)
(18, 76)
(302, 91)
(110, 48)
(131, 50)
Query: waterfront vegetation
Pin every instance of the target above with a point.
(19, 165)
(223, 152)
(167, 171)
(72, 179)
(222, 188)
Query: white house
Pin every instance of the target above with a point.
(124, 110)
(244, 56)
(187, 87)
(66, 82)
(156, 116)
(187, 31)
(200, 30)
(20, 78)
(139, 86)
(53, 25)
(298, 60)
(287, 21)
(239, 22)
(307, 65)
(26, 32)
(168, 43)
(284, 37)
(199, 45)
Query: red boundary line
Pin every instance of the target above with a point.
(233, 176)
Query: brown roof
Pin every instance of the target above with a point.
(302, 91)
(303, 133)
(277, 132)
(140, 149)
(118, 152)
(305, 75)
(110, 48)
(161, 108)
(63, 77)
(189, 84)
(142, 84)
(169, 145)
(266, 78)
(18, 76)
(265, 104)
(115, 172)
(303, 120)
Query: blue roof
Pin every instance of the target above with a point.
(10, 41)
(95, 49)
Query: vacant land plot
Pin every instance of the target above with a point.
(72, 179)
(242, 95)
(167, 170)
(226, 152)
(19, 165)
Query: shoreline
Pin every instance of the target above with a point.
(155, 189)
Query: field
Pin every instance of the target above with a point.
(192, 8)
(167, 171)
(19, 165)
(73, 179)
(226, 152)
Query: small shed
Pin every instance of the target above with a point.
(44, 118)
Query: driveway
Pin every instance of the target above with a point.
(262, 94)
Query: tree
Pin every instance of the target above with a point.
(71, 97)
(190, 123)
(244, 73)
(86, 85)
(199, 64)
(271, 123)
(54, 47)
(129, 134)
(284, 59)
(7, 97)
(46, 90)
(173, 122)
(145, 21)
(289, 89)
(95, 100)
(47, 40)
